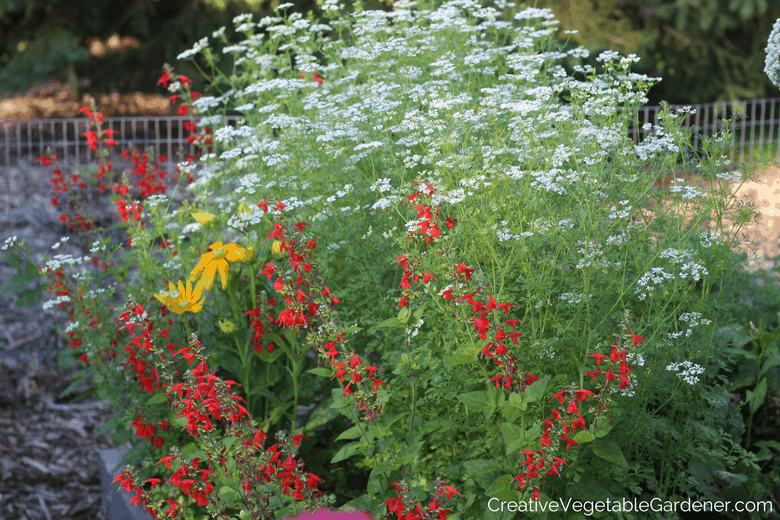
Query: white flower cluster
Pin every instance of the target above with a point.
(9, 242)
(687, 371)
(48, 304)
(705, 239)
(60, 260)
(62, 241)
(96, 247)
(573, 298)
(201, 44)
(155, 200)
(772, 63)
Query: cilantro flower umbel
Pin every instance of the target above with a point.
(216, 261)
(183, 300)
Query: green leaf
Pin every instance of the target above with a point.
(583, 437)
(511, 432)
(403, 316)
(350, 330)
(228, 496)
(29, 298)
(610, 451)
(481, 466)
(66, 359)
(71, 388)
(345, 452)
(321, 371)
(121, 436)
(12, 259)
(385, 467)
(338, 399)
(350, 433)
(157, 398)
(535, 391)
(476, 401)
(502, 483)
(269, 357)
(769, 444)
(321, 415)
(30, 272)
(407, 454)
(603, 430)
(13, 285)
(755, 398)
(390, 323)
(769, 363)
(462, 356)
(110, 424)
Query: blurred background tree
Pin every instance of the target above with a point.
(118, 45)
(705, 50)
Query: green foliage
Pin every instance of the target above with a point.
(25, 283)
(547, 225)
(706, 50)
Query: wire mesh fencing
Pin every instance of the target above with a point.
(163, 136)
(756, 127)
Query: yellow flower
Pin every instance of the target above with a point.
(185, 299)
(202, 217)
(216, 261)
(243, 208)
(276, 247)
(227, 326)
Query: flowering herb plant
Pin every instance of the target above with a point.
(419, 240)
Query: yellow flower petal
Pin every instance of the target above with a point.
(202, 217)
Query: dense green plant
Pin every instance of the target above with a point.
(427, 227)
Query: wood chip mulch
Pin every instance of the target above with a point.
(49, 461)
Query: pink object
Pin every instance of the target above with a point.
(323, 514)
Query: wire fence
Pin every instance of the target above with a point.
(758, 130)
(28, 139)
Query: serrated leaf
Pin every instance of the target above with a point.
(461, 357)
(511, 432)
(407, 454)
(610, 451)
(350, 433)
(476, 401)
(502, 483)
(345, 452)
(228, 496)
(535, 391)
(321, 371)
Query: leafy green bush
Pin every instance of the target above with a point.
(485, 228)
